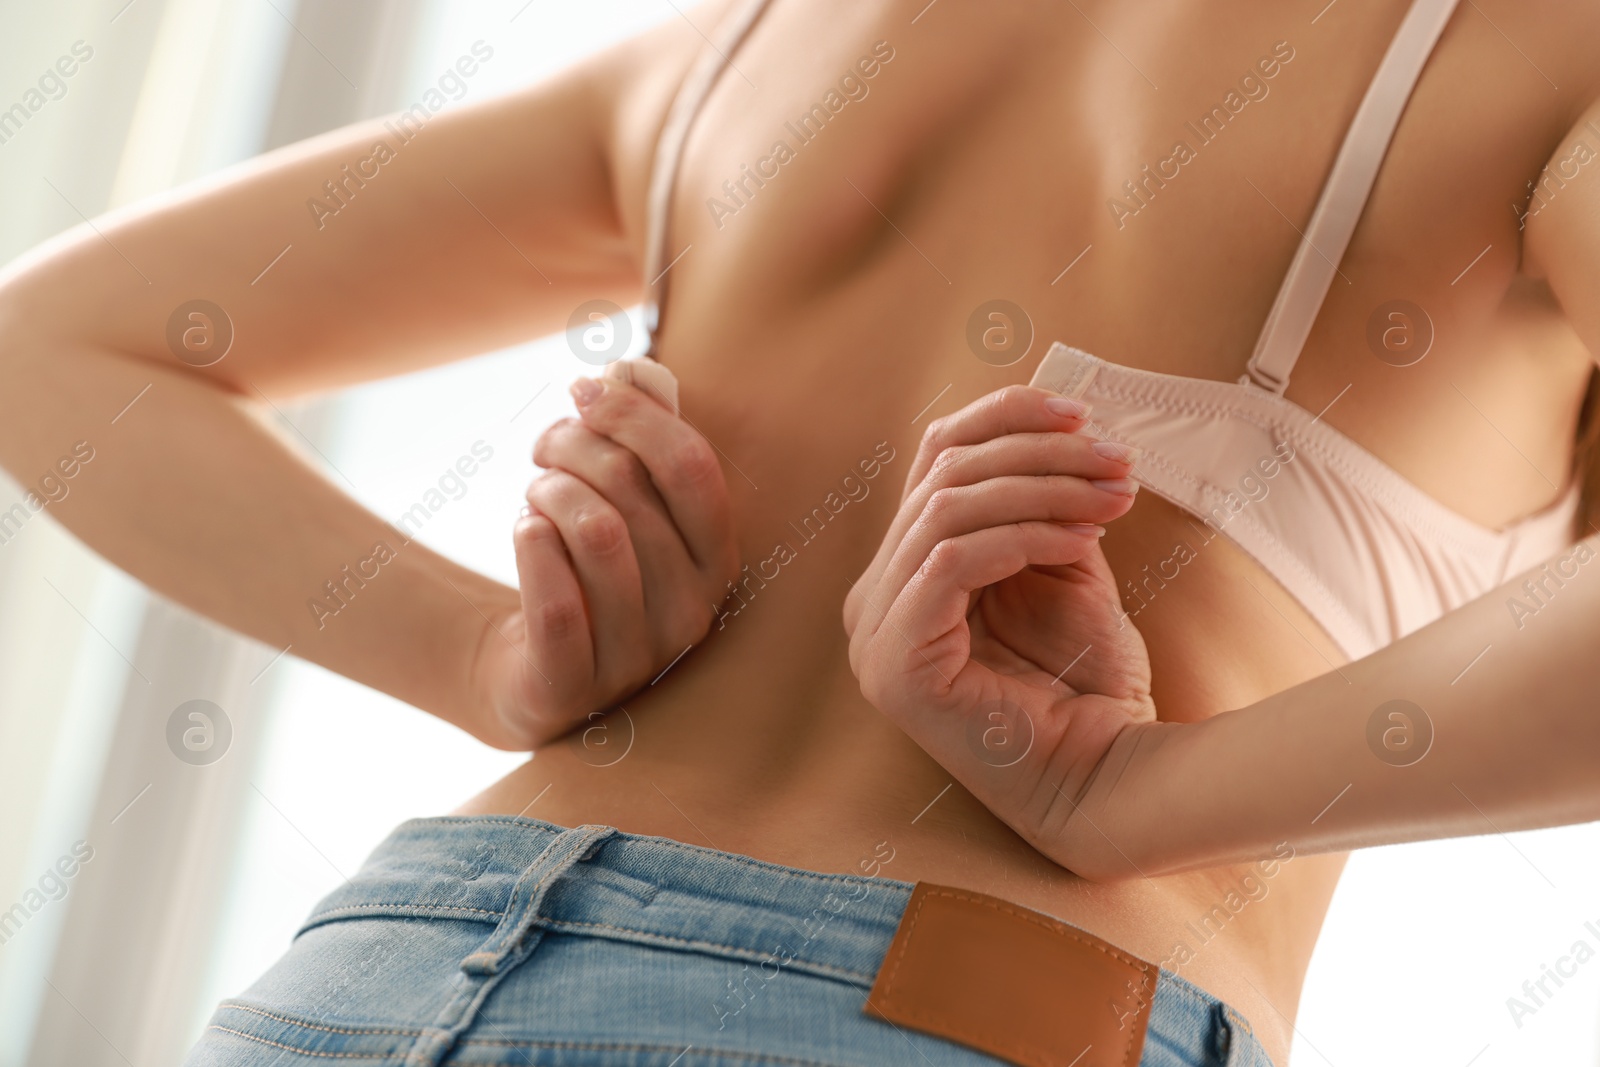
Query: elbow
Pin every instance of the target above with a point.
(76, 292)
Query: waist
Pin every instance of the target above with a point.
(760, 743)
(1243, 934)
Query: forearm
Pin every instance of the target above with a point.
(194, 492)
(1508, 695)
(1333, 764)
(466, 240)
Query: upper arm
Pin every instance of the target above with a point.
(1561, 241)
(472, 228)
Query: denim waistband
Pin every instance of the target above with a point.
(654, 890)
(467, 867)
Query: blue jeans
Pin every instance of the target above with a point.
(498, 940)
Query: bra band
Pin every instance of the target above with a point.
(1344, 196)
(669, 152)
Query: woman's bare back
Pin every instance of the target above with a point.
(818, 320)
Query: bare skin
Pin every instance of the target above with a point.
(822, 318)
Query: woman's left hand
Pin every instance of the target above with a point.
(989, 626)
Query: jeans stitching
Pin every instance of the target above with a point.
(303, 1024)
(565, 925)
(732, 950)
(622, 1046)
(307, 1051)
(320, 916)
(667, 842)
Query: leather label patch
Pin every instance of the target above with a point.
(1013, 983)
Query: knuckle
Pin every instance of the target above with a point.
(945, 464)
(599, 531)
(551, 482)
(939, 431)
(552, 437)
(621, 469)
(542, 489)
(1011, 405)
(693, 463)
(530, 529)
(939, 504)
(946, 558)
(560, 618)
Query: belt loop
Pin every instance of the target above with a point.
(1230, 1037)
(522, 910)
(513, 940)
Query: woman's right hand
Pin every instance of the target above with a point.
(623, 555)
(989, 626)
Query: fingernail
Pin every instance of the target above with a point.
(1086, 530)
(1066, 406)
(1112, 450)
(1120, 486)
(585, 390)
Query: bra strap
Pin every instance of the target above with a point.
(1344, 196)
(669, 153)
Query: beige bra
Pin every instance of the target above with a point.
(1368, 554)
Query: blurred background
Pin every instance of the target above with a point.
(189, 876)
